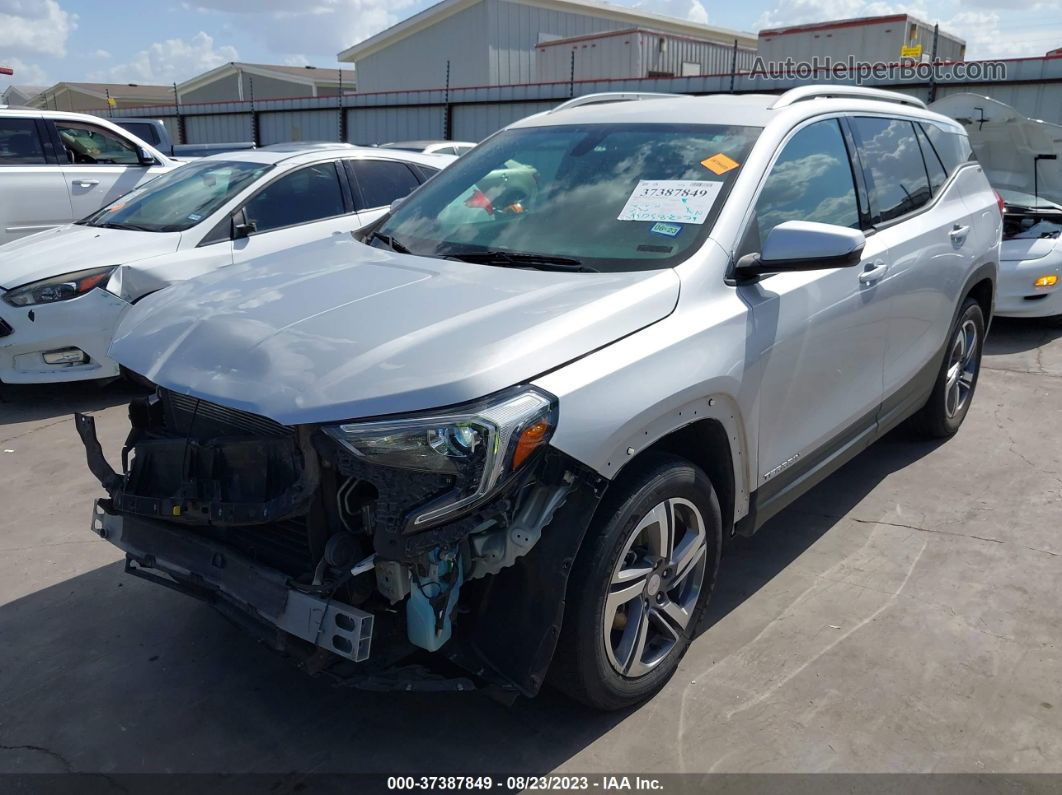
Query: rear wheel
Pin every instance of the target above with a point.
(640, 585)
(948, 405)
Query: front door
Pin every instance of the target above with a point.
(817, 338)
(306, 205)
(99, 165)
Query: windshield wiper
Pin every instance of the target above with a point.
(134, 227)
(389, 241)
(516, 260)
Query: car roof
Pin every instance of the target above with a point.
(313, 153)
(753, 110)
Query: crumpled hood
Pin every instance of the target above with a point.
(328, 331)
(73, 247)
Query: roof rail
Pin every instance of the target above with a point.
(612, 96)
(794, 95)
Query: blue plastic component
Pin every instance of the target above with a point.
(446, 573)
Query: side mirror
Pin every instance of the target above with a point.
(144, 157)
(803, 246)
(242, 228)
(396, 204)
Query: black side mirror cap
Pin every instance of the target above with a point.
(243, 229)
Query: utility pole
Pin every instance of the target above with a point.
(180, 119)
(733, 66)
(571, 76)
(933, 63)
(447, 110)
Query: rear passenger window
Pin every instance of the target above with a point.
(383, 181)
(953, 148)
(810, 181)
(19, 143)
(890, 153)
(938, 175)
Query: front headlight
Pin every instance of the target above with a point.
(479, 449)
(59, 288)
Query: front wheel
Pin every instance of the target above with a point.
(954, 390)
(640, 584)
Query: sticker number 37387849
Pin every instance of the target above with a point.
(681, 201)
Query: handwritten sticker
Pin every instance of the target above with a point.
(667, 230)
(677, 201)
(720, 164)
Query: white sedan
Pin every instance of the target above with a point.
(63, 291)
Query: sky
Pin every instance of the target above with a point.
(130, 41)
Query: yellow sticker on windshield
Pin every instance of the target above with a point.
(720, 164)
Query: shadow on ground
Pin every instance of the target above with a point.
(37, 402)
(103, 672)
(1015, 335)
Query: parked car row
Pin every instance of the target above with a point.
(500, 434)
(215, 212)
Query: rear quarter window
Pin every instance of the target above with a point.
(953, 148)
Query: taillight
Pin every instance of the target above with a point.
(1000, 203)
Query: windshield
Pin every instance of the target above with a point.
(608, 197)
(179, 199)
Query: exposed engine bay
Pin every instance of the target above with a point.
(296, 534)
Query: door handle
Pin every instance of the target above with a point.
(872, 272)
(958, 233)
(86, 183)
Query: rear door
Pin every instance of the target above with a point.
(307, 204)
(919, 213)
(99, 165)
(33, 194)
(818, 336)
(380, 182)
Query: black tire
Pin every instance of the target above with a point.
(936, 419)
(582, 667)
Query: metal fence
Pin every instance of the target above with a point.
(1032, 85)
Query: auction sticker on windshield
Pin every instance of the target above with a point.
(679, 201)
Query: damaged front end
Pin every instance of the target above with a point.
(360, 547)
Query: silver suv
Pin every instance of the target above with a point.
(509, 431)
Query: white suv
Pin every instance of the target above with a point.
(515, 428)
(57, 167)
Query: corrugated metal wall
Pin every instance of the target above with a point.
(476, 122)
(302, 125)
(381, 125)
(636, 54)
(218, 128)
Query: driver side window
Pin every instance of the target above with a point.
(810, 181)
(86, 144)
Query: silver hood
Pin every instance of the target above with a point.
(332, 331)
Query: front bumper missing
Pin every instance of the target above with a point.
(197, 567)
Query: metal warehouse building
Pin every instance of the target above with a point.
(496, 42)
(869, 39)
(241, 81)
(636, 52)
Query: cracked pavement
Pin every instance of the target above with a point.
(903, 616)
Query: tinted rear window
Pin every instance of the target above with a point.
(19, 143)
(891, 155)
(953, 148)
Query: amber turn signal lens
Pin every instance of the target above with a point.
(1046, 281)
(531, 438)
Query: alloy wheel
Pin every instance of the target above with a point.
(655, 586)
(962, 369)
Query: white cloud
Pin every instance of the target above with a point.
(170, 61)
(101, 54)
(697, 13)
(26, 74)
(316, 28)
(296, 60)
(39, 27)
